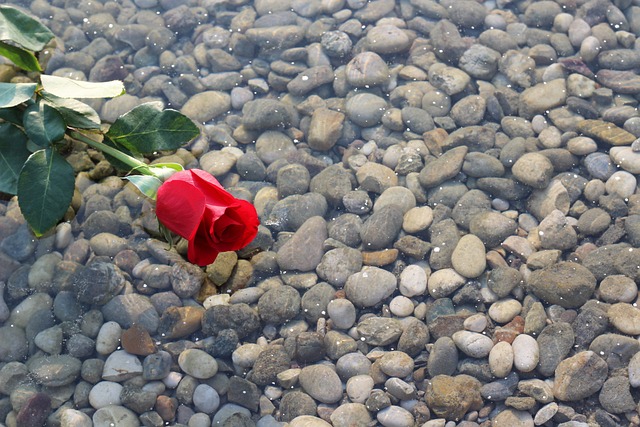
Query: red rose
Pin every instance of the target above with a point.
(193, 204)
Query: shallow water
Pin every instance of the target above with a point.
(450, 221)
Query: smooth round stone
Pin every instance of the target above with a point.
(121, 366)
(246, 355)
(626, 158)
(504, 311)
(74, 418)
(533, 169)
(342, 313)
(400, 197)
(476, 323)
(50, 340)
(365, 109)
(322, 383)
(634, 370)
(413, 281)
(105, 393)
(472, 343)
(513, 418)
(401, 306)
(395, 416)
(501, 359)
(23, 312)
(396, 364)
(197, 363)
(350, 414)
(42, 271)
(469, 257)
(444, 282)
(625, 317)
(15, 345)
(359, 387)
(385, 39)
(621, 183)
(206, 399)
(582, 146)
(114, 415)
(417, 219)
(205, 106)
(370, 286)
(526, 353)
(618, 288)
(308, 421)
(273, 145)
(108, 338)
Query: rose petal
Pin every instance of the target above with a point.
(180, 206)
(215, 194)
(202, 249)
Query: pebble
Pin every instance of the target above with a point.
(525, 353)
(579, 376)
(105, 393)
(573, 290)
(359, 387)
(625, 317)
(554, 343)
(413, 178)
(468, 257)
(112, 414)
(504, 311)
(322, 383)
(473, 344)
(370, 286)
(121, 366)
(452, 397)
(197, 363)
(395, 416)
(501, 359)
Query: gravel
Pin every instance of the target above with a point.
(449, 216)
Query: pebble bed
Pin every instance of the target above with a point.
(449, 220)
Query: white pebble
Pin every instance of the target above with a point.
(401, 306)
(105, 393)
(413, 281)
(108, 338)
(525, 353)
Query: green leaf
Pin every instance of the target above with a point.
(44, 124)
(115, 162)
(23, 58)
(11, 115)
(147, 129)
(69, 88)
(148, 185)
(12, 94)
(45, 189)
(22, 29)
(75, 113)
(13, 154)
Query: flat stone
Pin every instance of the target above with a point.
(606, 132)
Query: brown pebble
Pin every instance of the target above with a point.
(35, 411)
(180, 322)
(166, 407)
(136, 340)
(434, 139)
(606, 132)
(510, 331)
(380, 258)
